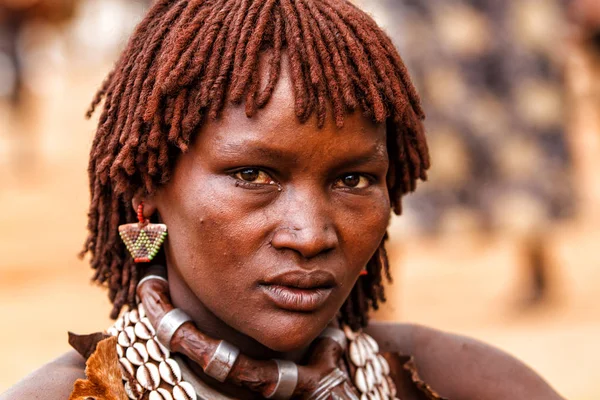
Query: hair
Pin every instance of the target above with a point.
(188, 58)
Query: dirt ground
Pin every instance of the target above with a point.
(464, 283)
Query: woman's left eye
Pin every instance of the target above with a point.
(253, 175)
(353, 181)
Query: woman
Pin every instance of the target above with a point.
(270, 138)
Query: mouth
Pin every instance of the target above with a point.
(299, 291)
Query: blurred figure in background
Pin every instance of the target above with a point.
(586, 15)
(490, 75)
(42, 44)
(15, 16)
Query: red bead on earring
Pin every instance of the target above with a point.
(143, 239)
(364, 272)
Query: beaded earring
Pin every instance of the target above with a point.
(143, 239)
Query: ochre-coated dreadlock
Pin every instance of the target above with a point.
(188, 56)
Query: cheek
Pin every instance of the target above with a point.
(362, 227)
(210, 233)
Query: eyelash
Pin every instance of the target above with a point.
(250, 185)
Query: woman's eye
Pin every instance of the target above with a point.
(353, 181)
(254, 175)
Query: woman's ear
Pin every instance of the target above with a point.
(149, 204)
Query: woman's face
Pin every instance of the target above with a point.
(271, 221)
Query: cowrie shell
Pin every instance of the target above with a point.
(392, 386)
(131, 393)
(126, 321)
(142, 331)
(141, 310)
(148, 324)
(157, 351)
(119, 324)
(370, 376)
(367, 350)
(385, 388)
(364, 396)
(126, 338)
(112, 331)
(137, 354)
(374, 395)
(134, 316)
(371, 342)
(382, 394)
(357, 354)
(184, 391)
(360, 380)
(350, 334)
(127, 368)
(120, 351)
(160, 394)
(170, 371)
(377, 372)
(148, 376)
(385, 367)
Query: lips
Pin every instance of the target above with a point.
(299, 291)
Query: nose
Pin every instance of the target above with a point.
(306, 230)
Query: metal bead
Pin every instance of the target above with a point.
(221, 362)
(336, 335)
(169, 324)
(286, 381)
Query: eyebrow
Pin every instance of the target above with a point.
(250, 148)
(374, 155)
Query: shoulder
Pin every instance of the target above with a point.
(459, 367)
(52, 381)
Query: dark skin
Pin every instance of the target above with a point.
(257, 197)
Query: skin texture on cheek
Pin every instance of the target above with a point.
(230, 238)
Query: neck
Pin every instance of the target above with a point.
(183, 298)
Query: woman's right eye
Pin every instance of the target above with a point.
(254, 175)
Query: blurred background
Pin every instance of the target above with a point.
(500, 244)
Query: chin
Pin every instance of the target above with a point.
(292, 332)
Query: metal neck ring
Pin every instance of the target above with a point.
(336, 335)
(169, 324)
(221, 362)
(286, 382)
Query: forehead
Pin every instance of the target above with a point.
(276, 125)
